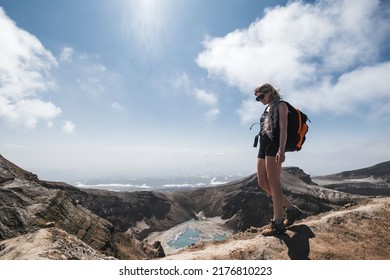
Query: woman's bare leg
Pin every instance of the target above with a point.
(262, 178)
(273, 171)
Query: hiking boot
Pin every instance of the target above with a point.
(274, 229)
(292, 215)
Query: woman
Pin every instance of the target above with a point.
(273, 137)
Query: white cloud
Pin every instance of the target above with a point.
(68, 127)
(212, 114)
(24, 72)
(205, 97)
(117, 107)
(348, 91)
(66, 54)
(83, 73)
(98, 68)
(320, 54)
(91, 77)
(209, 99)
(249, 111)
(181, 82)
(91, 85)
(28, 112)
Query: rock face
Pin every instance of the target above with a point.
(138, 213)
(27, 205)
(380, 171)
(243, 204)
(114, 224)
(46, 244)
(358, 232)
(374, 180)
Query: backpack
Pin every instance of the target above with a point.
(296, 129)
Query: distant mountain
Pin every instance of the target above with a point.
(115, 223)
(378, 171)
(370, 181)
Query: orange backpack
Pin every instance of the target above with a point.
(296, 129)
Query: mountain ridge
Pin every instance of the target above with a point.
(116, 225)
(377, 170)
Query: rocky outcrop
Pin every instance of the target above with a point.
(358, 232)
(155, 250)
(65, 213)
(48, 244)
(20, 201)
(10, 171)
(138, 213)
(28, 205)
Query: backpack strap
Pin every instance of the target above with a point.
(256, 140)
(299, 120)
(257, 135)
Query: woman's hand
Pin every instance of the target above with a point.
(280, 157)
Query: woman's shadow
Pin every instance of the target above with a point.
(298, 244)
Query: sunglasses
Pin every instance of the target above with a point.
(260, 97)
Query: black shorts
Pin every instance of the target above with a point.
(268, 150)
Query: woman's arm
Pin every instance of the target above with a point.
(283, 114)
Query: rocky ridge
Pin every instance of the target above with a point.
(355, 232)
(27, 205)
(115, 224)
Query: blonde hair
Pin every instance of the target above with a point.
(271, 120)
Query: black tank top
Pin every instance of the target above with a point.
(264, 138)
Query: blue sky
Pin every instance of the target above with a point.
(160, 88)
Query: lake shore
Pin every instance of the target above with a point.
(190, 232)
